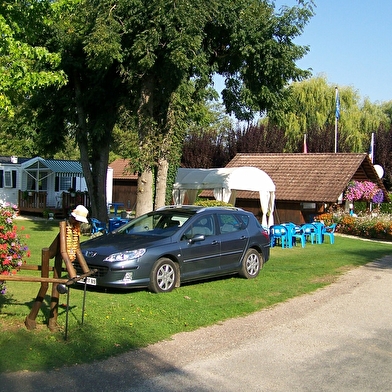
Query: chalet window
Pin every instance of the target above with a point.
(7, 179)
(308, 206)
(30, 183)
(42, 180)
(65, 183)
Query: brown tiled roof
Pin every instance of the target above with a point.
(309, 177)
(121, 170)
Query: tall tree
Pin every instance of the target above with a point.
(135, 56)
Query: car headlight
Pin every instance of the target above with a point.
(125, 256)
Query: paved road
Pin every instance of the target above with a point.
(336, 339)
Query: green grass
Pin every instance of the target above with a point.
(115, 322)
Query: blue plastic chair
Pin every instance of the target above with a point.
(309, 232)
(319, 231)
(97, 226)
(279, 233)
(330, 232)
(295, 233)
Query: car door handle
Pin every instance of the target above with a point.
(215, 242)
(244, 237)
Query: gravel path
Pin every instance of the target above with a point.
(336, 339)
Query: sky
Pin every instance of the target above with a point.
(351, 45)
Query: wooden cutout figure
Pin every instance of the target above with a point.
(66, 246)
(69, 252)
(70, 248)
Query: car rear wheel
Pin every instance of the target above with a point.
(251, 264)
(163, 276)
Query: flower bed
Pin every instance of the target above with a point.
(367, 225)
(13, 251)
(372, 218)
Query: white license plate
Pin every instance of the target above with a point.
(89, 280)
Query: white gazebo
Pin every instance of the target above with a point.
(225, 182)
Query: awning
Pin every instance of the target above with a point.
(61, 168)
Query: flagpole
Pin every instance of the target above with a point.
(372, 148)
(305, 149)
(371, 156)
(337, 114)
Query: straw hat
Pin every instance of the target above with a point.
(80, 213)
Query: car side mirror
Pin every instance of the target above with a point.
(197, 238)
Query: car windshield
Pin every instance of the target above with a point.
(162, 223)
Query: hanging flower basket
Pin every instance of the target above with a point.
(364, 190)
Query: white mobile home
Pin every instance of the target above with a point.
(38, 185)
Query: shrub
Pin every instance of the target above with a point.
(386, 208)
(326, 218)
(211, 203)
(376, 225)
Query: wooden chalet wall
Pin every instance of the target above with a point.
(125, 191)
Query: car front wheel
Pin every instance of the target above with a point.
(251, 264)
(163, 276)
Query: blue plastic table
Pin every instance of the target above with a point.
(116, 205)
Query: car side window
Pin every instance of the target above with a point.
(245, 220)
(228, 223)
(203, 225)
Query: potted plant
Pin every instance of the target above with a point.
(72, 191)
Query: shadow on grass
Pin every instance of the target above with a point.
(136, 371)
(381, 256)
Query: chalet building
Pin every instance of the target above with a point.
(306, 184)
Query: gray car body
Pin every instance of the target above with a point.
(198, 258)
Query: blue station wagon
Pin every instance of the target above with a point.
(163, 248)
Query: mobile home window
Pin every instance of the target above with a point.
(8, 179)
(65, 183)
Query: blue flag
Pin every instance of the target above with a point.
(337, 110)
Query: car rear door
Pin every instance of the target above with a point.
(234, 240)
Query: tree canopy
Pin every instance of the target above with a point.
(24, 66)
(310, 109)
(140, 66)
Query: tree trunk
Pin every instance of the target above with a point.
(96, 178)
(160, 190)
(144, 193)
(96, 163)
(144, 196)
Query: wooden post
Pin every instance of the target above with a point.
(54, 302)
(30, 319)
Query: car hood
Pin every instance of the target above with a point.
(113, 243)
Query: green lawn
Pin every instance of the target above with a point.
(115, 322)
